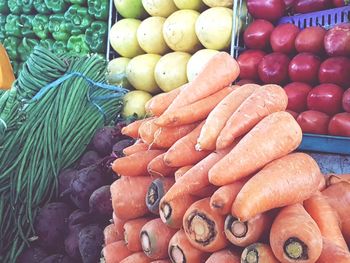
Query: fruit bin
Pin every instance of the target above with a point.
(326, 18)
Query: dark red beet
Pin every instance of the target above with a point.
(58, 258)
(32, 255)
(118, 148)
(90, 243)
(71, 243)
(89, 158)
(100, 203)
(104, 139)
(65, 178)
(78, 217)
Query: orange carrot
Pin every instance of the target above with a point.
(135, 164)
(204, 227)
(225, 255)
(221, 201)
(158, 167)
(206, 191)
(136, 147)
(132, 230)
(285, 181)
(181, 171)
(172, 211)
(132, 130)
(219, 116)
(275, 136)
(110, 234)
(326, 218)
(162, 261)
(159, 103)
(245, 233)
(193, 112)
(338, 196)
(128, 196)
(138, 257)
(156, 191)
(183, 152)
(323, 182)
(333, 253)
(295, 236)
(196, 178)
(147, 131)
(115, 252)
(180, 250)
(264, 101)
(336, 178)
(219, 72)
(118, 226)
(258, 253)
(155, 237)
(165, 137)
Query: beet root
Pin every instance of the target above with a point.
(90, 243)
(32, 255)
(89, 158)
(100, 203)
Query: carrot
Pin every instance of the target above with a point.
(258, 253)
(110, 234)
(219, 72)
(118, 226)
(285, 181)
(147, 131)
(220, 114)
(264, 101)
(158, 167)
(193, 112)
(156, 191)
(138, 257)
(136, 147)
(323, 182)
(128, 196)
(204, 227)
(115, 252)
(338, 196)
(326, 218)
(172, 211)
(196, 178)
(135, 164)
(132, 230)
(155, 237)
(245, 233)
(165, 137)
(183, 152)
(222, 199)
(132, 130)
(336, 178)
(180, 249)
(225, 255)
(206, 191)
(333, 253)
(162, 261)
(295, 236)
(159, 103)
(181, 171)
(275, 136)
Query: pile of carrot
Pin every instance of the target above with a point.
(213, 177)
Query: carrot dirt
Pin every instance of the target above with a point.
(204, 227)
(132, 129)
(156, 191)
(115, 252)
(256, 149)
(110, 234)
(285, 181)
(132, 230)
(157, 167)
(147, 131)
(295, 236)
(136, 147)
(258, 253)
(333, 253)
(225, 255)
(138, 257)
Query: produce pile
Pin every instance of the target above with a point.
(312, 64)
(77, 26)
(212, 177)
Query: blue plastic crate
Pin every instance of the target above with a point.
(325, 143)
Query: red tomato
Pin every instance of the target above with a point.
(297, 96)
(346, 100)
(311, 40)
(306, 6)
(273, 68)
(326, 98)
(337, 39)
(335, 70)
(248, 63)
(270, 10)
(313, 122)
(289, 3)
(257, 34)
(245, 81)
(283, 37)
(293, 113)
(340, 125)
(339, 3)
(304, 67)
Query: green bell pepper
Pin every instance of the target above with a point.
(41, 26)
(96, 36)
(2, 28)
(77, 44)
(25, 48)
(27, 25)
(4, 9)
(78, 19)
(60, 47)
(47, 43)
(11, 44)
(77, 2)
(56, 6)
(13, 25)
(14, 7)
(98, 9)
(41, 7)
(25, 5)
(58, 27)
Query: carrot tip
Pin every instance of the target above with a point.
(296, 249)
(176, 254)
(201, 227)
(235, 227)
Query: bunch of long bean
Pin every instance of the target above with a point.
(47, 130)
